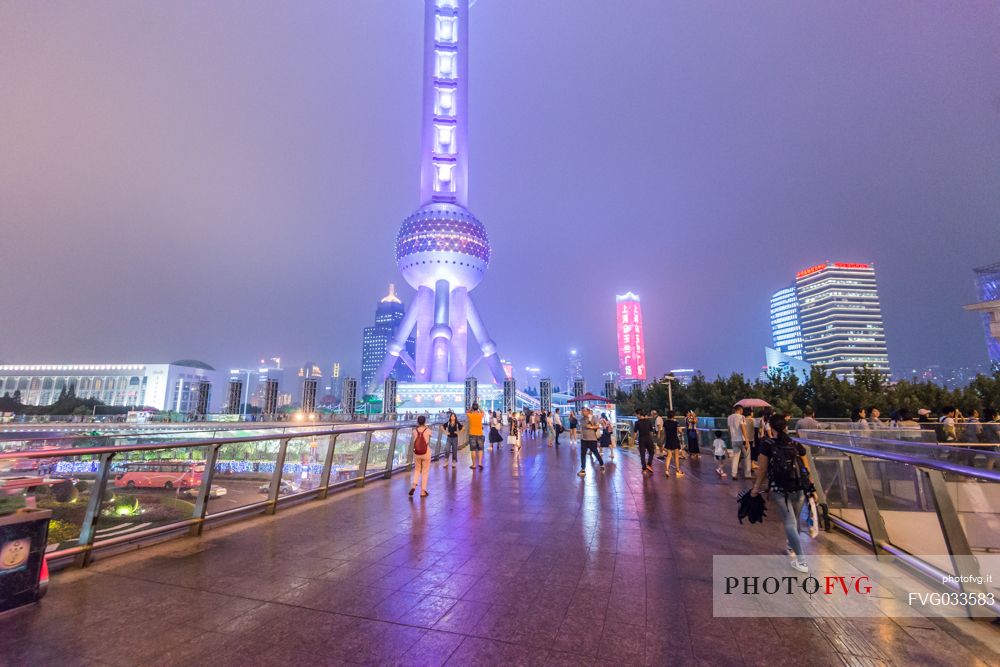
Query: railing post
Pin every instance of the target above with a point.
(324, 479)
(873, 517)
(965, 564)
(363, 465)
(279, 468)
(392, 453)
(89, 525)
(204, 493)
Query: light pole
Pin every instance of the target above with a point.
(669, 380)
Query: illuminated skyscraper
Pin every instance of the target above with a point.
(988, 286)
(574, 367)
(833, 321)
(786, 333)
(388, 315)
(442, 250)
(631, 338)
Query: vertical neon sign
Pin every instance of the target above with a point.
(631, 341)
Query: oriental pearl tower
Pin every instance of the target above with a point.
(442, 250)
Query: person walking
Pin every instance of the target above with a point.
(557, 426)
(605, 440)
(588, 441)
(421, 456)
(947, 431)
(738, 438)
(719, 451)
(514, 434)
(784, 472)
(474, 417)
(859, 421)
(573, 423)
(495, 437)
(451, 429)
(657, 433)
(691, 433)
(672, 444)
(808, 421)
(753, 426)
(973, 428)
(644, 441)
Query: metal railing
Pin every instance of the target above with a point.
(114, 494)
(906, 500)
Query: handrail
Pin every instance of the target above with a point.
(932, 464)
(89, 541)
(178, 444)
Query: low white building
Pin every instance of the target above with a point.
(177, 386)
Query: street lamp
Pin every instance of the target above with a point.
(668, 379)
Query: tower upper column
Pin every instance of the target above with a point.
(444, 173)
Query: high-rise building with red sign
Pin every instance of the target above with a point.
(831, 317)
(631, 339)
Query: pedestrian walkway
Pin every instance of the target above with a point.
(523, 563)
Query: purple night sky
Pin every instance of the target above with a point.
(224, 181)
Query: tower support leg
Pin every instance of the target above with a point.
(441, 332)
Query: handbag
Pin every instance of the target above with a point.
(511, 439)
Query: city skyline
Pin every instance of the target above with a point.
(834, 157)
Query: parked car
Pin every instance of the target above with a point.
(286, 487)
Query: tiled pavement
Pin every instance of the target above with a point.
(522, 563)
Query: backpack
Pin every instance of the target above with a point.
(783, 468)
(420, 443)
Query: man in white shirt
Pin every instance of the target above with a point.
(739, 437)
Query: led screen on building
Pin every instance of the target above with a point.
(631, 342)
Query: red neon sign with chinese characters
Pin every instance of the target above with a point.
(631, 341)
(837, 265)
(811, 270)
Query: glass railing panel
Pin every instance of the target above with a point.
(840, 487)
(903, 498)
(304, 459)
(347, 457)
(149, 489)
(71, 482)
(378, 454)
(977, 502)
(243, 472)
(401, 456)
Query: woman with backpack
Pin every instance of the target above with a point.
(784, 472)
(451, 429)
(421, 456)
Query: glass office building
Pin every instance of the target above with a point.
(388, 315)
(830, 317)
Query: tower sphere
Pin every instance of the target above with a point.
(442, 241)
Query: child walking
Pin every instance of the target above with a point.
(719, 449)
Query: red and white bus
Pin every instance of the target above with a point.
(159, 475)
